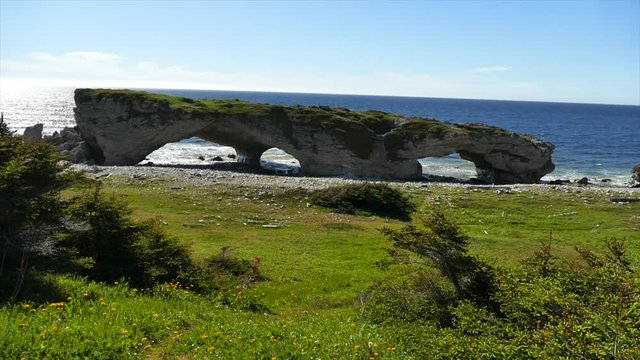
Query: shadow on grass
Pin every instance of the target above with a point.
(36, 288)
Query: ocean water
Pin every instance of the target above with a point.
(596, 141)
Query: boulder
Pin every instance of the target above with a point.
(33, 133)
(635, 174)
(71, 145)
(583, 181)
(122, 127)
(559, 182)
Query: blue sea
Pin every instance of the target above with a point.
(592, 140)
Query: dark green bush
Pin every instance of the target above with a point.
(111, 246)
(92, 235)
(225, 272)
(365, 199)
(423, 298)
(548, 308)
(31, 177)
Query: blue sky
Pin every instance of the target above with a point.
(575, 51)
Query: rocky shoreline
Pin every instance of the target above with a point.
(185, 176)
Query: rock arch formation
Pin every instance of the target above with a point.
(121, 127)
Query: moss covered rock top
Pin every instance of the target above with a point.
(378, 122)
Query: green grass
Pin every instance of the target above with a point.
(317, 265)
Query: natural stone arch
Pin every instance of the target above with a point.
(121, 127)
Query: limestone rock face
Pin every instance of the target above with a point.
(121, 127)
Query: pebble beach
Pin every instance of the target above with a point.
(201, 177)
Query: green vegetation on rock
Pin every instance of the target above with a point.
(378, 122)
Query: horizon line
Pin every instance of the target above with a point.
(68, 83)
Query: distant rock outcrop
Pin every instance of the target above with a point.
(70, 144)
(121, 127)
(33, 133)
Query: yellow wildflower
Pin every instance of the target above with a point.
(56, 305)
(69, 298)
(211, 348)
(113, 309)
(144, 339)
(25, 306)
(204, 337)
(85, 295)
(124, 331)
(356, 347)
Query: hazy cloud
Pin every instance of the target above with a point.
(100, 69)
(490, 69)
(77, 56)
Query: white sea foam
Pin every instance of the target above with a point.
(192, 151)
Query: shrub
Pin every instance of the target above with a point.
(365, 199)
(441, 244)
(92, 234)
(548, 308)
(424, 297)
(111, 246)
(224, 271)
(31, 178)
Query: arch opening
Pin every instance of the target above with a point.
(191, 151)
(278, 161)
(448, 168)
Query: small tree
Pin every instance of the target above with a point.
(31, 178)
(441, 244)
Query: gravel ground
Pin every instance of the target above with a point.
(200, 176)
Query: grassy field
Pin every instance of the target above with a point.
(317, 264)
